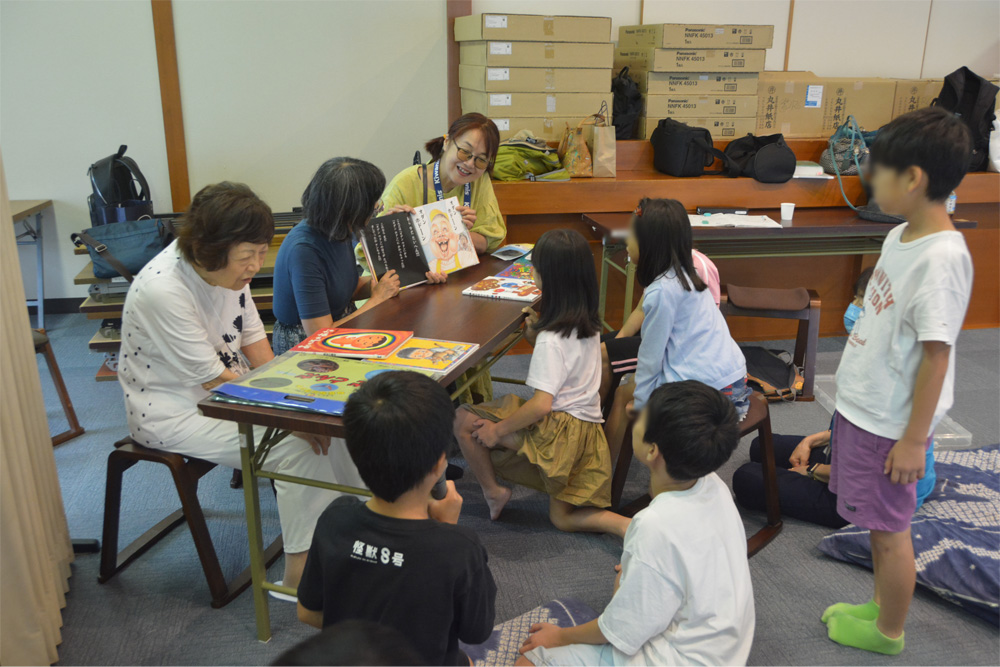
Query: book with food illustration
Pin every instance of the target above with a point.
(356, 343)
(432, 238)
(305, 382)
(430, 354)
(520, 269)
(513, 289)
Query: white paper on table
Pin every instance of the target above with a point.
(732, 220)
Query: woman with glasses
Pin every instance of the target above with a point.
(316, 277)
(460, 166)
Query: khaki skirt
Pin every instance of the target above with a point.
(563, 456)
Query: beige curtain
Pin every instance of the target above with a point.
(35, 549)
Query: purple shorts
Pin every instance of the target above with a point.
(865, 495)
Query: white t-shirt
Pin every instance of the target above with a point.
(685, 595)
(178, 332)
(570, 370)
(919, 292)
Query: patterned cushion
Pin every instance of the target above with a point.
(956, 534)
(502, 646)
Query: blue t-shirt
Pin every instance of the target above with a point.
(313, 276)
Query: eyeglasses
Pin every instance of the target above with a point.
(465, 156)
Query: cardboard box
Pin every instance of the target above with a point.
(534, 79)
(721, 128)
(536, 54)
(533, 104)
(533, 28)
(690, 60)
(549, 128)
(699, 36)
(913, 94)
(707, 106)
(800, 104)
(696, 83)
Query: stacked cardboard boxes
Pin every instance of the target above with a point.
(913, 94)
(702, 75)
(534, 72)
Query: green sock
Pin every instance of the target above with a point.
(851, 631)
(866, 612)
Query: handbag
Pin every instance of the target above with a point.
(682, 150)
(856, 158)
(848, 149)
(123, 248)
(603, 149)
(765, 159)
(627, 104)
(574, 153)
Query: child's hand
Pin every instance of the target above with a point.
(532, 317)
(436, 278)
(448, 508)
(319, 443)
(468, 215)
(486, 432)
(905, 463)
(542, 635)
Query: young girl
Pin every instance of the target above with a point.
(552, 442)
(684, 335)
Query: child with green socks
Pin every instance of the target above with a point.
(896, 378)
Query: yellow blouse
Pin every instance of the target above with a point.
(408, 188)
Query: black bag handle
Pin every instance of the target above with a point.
(137, 175)
(729, 166)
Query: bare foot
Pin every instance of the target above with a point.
(497, 503)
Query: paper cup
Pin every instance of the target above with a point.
(787, 210)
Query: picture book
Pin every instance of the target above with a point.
(357, 343)
(513, 250)
(520, 269)
(430, 354)
(432, 238)
(513, 289)
(304, 382)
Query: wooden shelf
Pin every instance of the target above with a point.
(105, 374)
(263, 298)
(99, 343)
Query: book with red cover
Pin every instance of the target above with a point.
(354, 343)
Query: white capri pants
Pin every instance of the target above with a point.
(299, 506)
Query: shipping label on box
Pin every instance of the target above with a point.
(534, 79)
(696, 83)
(664, 106)
(536, 54)
(690, 60)
(913, 94)
(721, 128)
(532, 28)
(533, 104)
(549, 128)
(701, 36)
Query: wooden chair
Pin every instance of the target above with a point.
(757, 419)
(186, 472)
(43, 347)
(789, 304)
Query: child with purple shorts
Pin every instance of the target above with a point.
(896, 378)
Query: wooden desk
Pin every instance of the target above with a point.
(23, 210)
(433, 311)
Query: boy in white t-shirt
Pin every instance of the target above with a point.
(896, 378)
(683, 594)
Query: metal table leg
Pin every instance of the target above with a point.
(629, 285)
(258, 573)
(602, 294)
(40, 270)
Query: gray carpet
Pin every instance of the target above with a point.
(157, 611)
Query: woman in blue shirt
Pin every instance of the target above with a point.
(316, 277)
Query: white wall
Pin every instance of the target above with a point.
(272, 89)
(77, 79)
(963, 32)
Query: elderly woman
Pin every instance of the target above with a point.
(316, 274)
(189, 324)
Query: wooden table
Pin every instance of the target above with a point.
(430, 311)
(23, 210)
(813, 232)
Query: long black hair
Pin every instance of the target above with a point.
(565, 266)
(663, 231)
(341, 196)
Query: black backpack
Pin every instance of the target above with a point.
(627, 104)
(765, 159)
(115, 196)
(973, 99)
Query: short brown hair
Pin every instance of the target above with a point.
(470, 121)
(220, 217)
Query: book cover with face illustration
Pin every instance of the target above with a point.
(445, 239)
(430, 354)
(359, 343)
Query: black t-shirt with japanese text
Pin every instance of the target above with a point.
(427, 579)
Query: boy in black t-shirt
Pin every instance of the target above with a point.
(399, 559)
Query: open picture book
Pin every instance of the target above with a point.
(432, 238)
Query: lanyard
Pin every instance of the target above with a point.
(440, 193)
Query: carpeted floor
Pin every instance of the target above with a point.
(157, 611)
